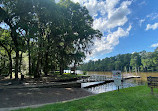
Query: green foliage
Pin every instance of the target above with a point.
(84, 72)
(142, 61)
(52, 35)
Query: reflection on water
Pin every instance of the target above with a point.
(127, 83)
(111, 86)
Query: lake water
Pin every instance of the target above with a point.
(111, 86)
(127, 83)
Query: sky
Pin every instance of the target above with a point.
(127, 25)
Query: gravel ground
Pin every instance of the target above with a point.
(34, 96)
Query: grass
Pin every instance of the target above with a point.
(67, 76)
(129, 99)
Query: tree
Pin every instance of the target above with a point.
(135, 60)
(77, 33)
(11, 13)
(51, 35)
(6, 43)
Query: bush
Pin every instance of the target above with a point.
(84, 72)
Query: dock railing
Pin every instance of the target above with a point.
(94, 78)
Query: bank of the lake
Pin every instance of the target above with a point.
(128, 99)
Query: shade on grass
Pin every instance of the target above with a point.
(129, 99)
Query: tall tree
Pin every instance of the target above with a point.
(6, 43)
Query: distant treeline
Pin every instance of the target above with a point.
(138, 61)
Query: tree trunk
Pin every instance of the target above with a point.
(46, 56)
(75, 67)
(61, 70)
(20, 62)
(29, 55)
(14, 37)
(126, 69)
(10, 65)
(10, 59)
(37, 72)
(46, 64)
(136, 70)
(61, 64)
(147, 69)
(33, 67)
(129, 70)
(16, 64)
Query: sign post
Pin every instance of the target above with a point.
(152, 83)
(117, 78)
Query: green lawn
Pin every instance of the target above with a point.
(129, 99)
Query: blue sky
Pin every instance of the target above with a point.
(142, 14)
(127, 26)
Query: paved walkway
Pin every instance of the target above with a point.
(10, 98)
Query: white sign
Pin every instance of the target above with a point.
(117, 77)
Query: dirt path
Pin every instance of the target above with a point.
(34, 96)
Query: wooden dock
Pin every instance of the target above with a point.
(96, 78)
(103, 80)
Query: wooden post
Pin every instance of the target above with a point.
(118, 89)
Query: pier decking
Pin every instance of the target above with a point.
(102, 79)
(95, 78)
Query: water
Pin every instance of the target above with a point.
(111, 86)
(127, 83)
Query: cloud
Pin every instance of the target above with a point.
(109, 17)
(107, 14)
(152, 16)
(141, 21)
(142, 3)
(154, 45)
(153, 27)
(107, 43)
